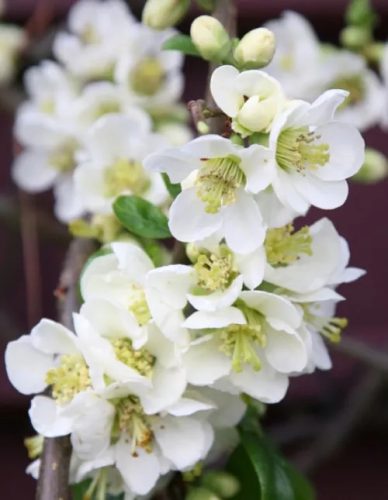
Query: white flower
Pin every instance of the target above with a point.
(253, 345)
(297, 56)
(12, 41)
(345, 70)
(220, 179)
(314, 154)
(113, 162)
(309, 259)
(148, 75)
(384, 74)
(99, 32)
(251, 98)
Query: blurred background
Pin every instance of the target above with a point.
(334, 425)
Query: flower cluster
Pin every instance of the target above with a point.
(163, 359)
(110, 74)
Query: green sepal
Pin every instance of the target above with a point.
(141, 217)
(173, 189)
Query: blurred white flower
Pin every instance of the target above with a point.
(12, 41)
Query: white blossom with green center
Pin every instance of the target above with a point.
(284, 245)
(147, 77)
(220, 180)
(63, 158)
(124, 176)
(314, 153)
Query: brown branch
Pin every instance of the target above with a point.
(364, 353)
(53, 482)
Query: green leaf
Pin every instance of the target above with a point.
(173, 189)
(154, 251)
(78, 490)
(141, 217)
(302, 488)
(182, 43)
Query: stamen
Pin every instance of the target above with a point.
(140, 360)
(300, 149)
(62, 158)
(284, 245)
(138, 305)
(125, 175)
(34, 445)
(147, 77)
(69, 378)
(131, 419)
(329, 327)
(217, 181)
(215, 272)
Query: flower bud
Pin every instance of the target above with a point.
(201, 494)
(222, 483)
(210, 38)
(355, 37)
(374, 169)
(255, 49)
(161, 14)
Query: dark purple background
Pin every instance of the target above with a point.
(358, 472)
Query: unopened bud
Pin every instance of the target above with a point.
(201, 494)
(210, 38)
(222, 483)
(355, 37)
(162, 14)
(255, 49)
(374, 169)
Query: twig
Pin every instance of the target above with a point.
(337, 430)
(53, 482)
(363, 352)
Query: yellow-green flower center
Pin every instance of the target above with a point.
(215, 271)
(89, 35)
(106, 107)
(147, 77)
(69, 378)
(47, 106)
(125, 175)
(131, 419)
(138, 305)
(240, 341)
(329, 327)
(284, 245)
(217, 182)
(300, 149)
(62, 158)
(139, 359)
(354, 85)
(34, 445)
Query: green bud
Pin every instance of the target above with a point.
(255, 49)
(162, 14)
(222, 483)
(355, 37)
(374, 169)
(201, 494)
(210, 38)
(206, 4)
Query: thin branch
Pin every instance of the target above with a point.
(53, 482)
(372, 357)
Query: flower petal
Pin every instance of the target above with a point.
(51, 337)
(46, 419)
(32, 173)
(218, 299)
(224, 91)
(285, 352)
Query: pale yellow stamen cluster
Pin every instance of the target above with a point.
(215, 271)
(240, 341)
(140, 360)
(138, 305)
(300, 149)
(131, 419)
(217, 182)
(34, 446)
(69, 378)
(62, 158)
(147, 77)
(329, 327)
(125, 175)
(284, 245)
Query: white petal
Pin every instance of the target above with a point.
(31, 171)
(258, 165)
(229, 408)
(133, 260)
(68, 205)
(205, 363)
(321, 355)
(285, 352)
(168, 386)
(182, 440)
(287, 192)
(252, 266)
(215, 319)
(243, 224)
(224, 91)
(46, 419)
(211, 146)
(139, 472)
(186, 406)
(51, 337)
(346, 149)
(218, 299)
(323, 109)
(26, 366)
(266, 385)
(176, 163)
(188, 219)
(321, 194)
